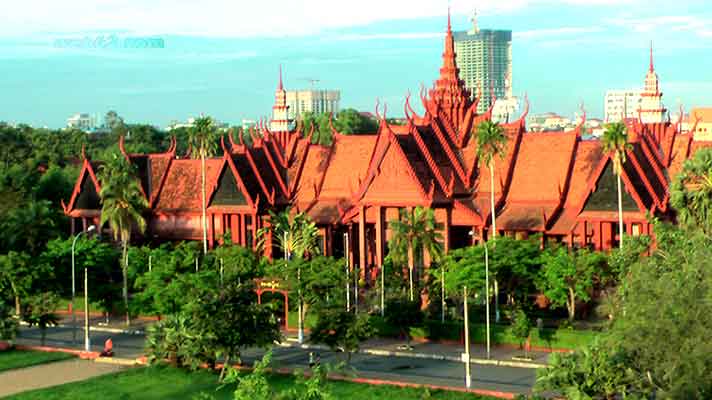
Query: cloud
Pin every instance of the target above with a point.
(240, 18)
(555, 32)
(391, 36)
(670, 23)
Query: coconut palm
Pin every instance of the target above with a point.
(615, 142)
(415, 232)
(202, 138)
(491, 142)
(692, 191)
(122, 205)
(297, 236)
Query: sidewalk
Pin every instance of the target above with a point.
(507, 356)
(51, 374)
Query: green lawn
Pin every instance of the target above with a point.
(13, 359)
(169, 383)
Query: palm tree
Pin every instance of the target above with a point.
(414, 233)
(202, 138)
(122, 205)
(297, 236)
(692, 191)
(615, 141)
(491, 142)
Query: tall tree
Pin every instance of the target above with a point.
(568, 276)
(615, 142)
(29, 227)
(122, 206)
(692, 192)
(297, 237)
(414, 233)
(491, 142)
(202, 138)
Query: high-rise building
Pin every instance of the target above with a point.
(646, 103)
(315, 101)
(484, 58)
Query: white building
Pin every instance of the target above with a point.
(620, 104)
(82, 121)
(315, 101)
(505, 110)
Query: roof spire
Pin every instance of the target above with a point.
(651, 57)
(449, 28)
(280, 87)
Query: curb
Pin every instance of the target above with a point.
(84, 355)
(388, 353)
(127, 362)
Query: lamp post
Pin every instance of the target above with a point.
(74, 287)
(487, 298)
(468, 377)
(346, 257)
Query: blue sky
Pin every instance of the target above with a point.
(221, 57)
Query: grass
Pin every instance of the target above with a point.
(154, 383)
(78, 305)
(13, 359)
(501, 334)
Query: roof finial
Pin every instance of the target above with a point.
(651, 57)
(280, 87)
(449, 29)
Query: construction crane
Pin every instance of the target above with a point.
(313, 82)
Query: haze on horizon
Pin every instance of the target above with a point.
(221, 57)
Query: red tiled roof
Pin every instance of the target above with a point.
(181, 191)
(348, 163)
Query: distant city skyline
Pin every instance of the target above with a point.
(229, 70)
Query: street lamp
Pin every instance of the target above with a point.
(487, 298)
(346, 257)
(74, 287)
(466, 356)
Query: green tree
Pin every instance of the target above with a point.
(414, 233)
(254, 385)
(122, 206)
(177, 340)
(297, 236)
(39, 312)
(236, 263)
(692, 191)
(491, 143)
(341, 330)
(598, 371)
(99, 257)
(9, 325)
(569, 275)
(664, 298)
(322, 280)
(521, 326)
(217, 313)
(203, 138)
(29, 227)
(23, 276)
(615, 142)
(404, 314)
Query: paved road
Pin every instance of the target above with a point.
(405, 369)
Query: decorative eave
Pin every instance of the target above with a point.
(591, 187)
(87, 169)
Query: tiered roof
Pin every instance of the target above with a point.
(545, 182)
